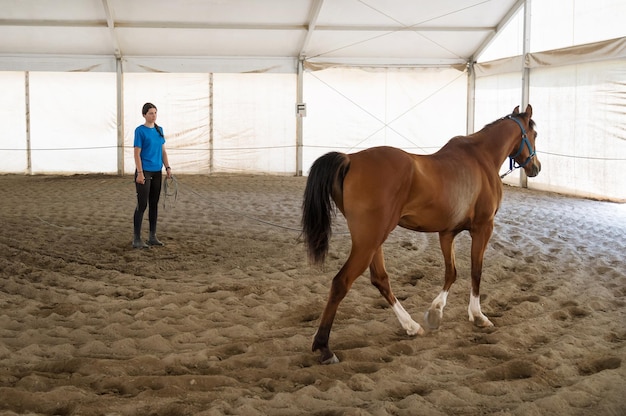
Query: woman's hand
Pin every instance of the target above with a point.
(140, 178)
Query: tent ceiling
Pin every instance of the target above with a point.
(409, 32)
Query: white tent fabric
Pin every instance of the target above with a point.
(68, 127)
(183, 107)
(578, 99)
(74, 113)
(217, 122)
(157, 34)
(226, 78)
(401, 108)
(254, 123)
(584, 131)
(13, 141)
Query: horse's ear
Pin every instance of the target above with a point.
(529, 111)
(516, 110)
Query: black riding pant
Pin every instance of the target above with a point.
(148, 195)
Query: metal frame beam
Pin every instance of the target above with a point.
(500, 26)
(236, 26)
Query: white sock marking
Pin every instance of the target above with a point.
(440, 301)
(407, 323)
(474, 312)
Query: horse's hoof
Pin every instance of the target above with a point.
(485, 323)
(482, 322)
(432, 317)
(331, 360)
(415, 329)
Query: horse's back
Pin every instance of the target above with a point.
(378, 169)
(421, 192)
(376, 187)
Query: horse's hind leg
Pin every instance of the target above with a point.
(342, 282)
(434, 314)
(380, 279)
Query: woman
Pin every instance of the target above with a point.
(150, 157)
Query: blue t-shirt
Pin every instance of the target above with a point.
(151, 144)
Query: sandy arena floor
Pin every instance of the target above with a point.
(220, 320)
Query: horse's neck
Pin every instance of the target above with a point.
(497, 142)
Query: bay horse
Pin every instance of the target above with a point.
(456, 189)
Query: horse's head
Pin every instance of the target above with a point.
(525, 155)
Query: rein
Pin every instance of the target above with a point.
(170, 189)
(512, 163)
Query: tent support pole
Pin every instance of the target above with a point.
(120, 116)
(471, 98)
(525, 76)
(29, 160)
(211, 150)
(299, 99)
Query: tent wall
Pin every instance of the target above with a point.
(14, 142)
(182, 101)
(227, 122)
(350, 109)
(255, 123)
(70, 113)
(217, 122)
(583, 138)
(58, 122)
(578, 102)
(73, 123)
(65, 122)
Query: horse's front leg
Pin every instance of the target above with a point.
(380, 279)
(434, 314)
(480, 238)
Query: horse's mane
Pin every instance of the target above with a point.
(471, 137)
(518, 115)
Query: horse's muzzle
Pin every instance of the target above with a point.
(533, 169)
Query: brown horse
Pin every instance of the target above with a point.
(455, 189)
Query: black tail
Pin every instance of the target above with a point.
(326, 174)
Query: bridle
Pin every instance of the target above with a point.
(525, 142)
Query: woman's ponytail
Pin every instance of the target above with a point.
(159, 130)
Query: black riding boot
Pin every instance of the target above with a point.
(153, 240)
(137, 241)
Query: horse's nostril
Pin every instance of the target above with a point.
(535, 170)
(532, 171)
